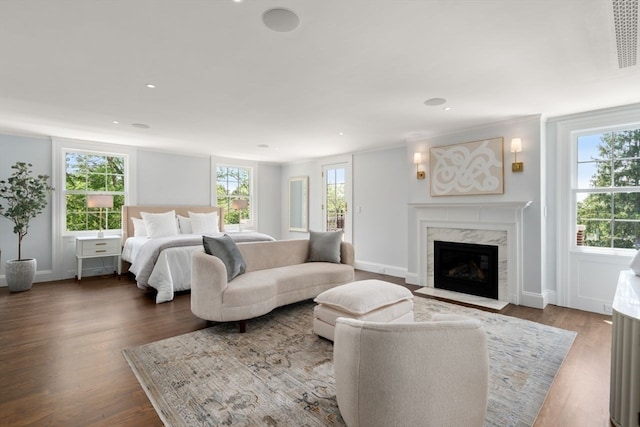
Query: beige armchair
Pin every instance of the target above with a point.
(412, 374)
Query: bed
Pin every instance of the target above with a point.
(163, 262)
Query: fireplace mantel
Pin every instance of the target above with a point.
(488, 217)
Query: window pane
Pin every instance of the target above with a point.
(627, 173)
(76, 221)
(626, 234)
(627, 144)
(626, 206)
(593, 147)
(597, 233)
(76, 203)
(87, 173)
(587, 174)
(233, 183)
(115, 183)
(115, 165)
(76, 182)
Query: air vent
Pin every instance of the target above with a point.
(625, 18)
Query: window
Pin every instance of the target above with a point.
(607, 189)
(89, 173)
(234, 194)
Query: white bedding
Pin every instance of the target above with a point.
(172, 270)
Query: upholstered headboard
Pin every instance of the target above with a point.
(129, 212)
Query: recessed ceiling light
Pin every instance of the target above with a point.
(280, 20)
(237, 1)
(341, 133)
(115, 122)
(447, 108)
(151, 86)
(432, 102)
(141, 126)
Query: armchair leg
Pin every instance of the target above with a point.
(243, 326)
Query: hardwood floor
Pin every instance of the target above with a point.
(61, 362)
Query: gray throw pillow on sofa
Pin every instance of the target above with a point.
(324, 246)
(225, 248)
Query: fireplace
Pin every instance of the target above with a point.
(467, 268)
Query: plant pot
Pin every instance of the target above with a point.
(20, 274)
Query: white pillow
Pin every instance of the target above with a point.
(635, 264)
(160, 225)
(204, 223)
(185, 225)
(139, 230)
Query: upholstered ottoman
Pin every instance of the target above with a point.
(372, 300)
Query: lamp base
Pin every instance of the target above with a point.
(420, 175)
(517, 167)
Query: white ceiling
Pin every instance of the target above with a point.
(227, 84)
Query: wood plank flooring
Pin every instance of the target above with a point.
(61, 362)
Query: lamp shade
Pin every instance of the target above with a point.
(417, 158)
(100, 201)
(516, 145)
(239, 204)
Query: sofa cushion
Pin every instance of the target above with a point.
(324, 246)
(257, 286)
(225, 248)
(363, 296)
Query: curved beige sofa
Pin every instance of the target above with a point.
(276, 274)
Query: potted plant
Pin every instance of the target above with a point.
(26, 197)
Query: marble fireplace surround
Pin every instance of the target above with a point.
(498, 223)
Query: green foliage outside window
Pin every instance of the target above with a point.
(335, 197)
(233, 183)
(88, 173)
(610, 205)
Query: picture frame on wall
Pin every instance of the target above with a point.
(469, 168)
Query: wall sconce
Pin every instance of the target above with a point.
(417, 160)
(516, 147)
(100, 201)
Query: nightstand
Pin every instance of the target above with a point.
(96, 247)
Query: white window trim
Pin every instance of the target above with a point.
(253, 195)
(566, 154)
(60, 146)
(575, 189)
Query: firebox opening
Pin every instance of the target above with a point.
(466, 268)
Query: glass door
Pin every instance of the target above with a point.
(336, 199)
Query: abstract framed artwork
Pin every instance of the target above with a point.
(467, 169)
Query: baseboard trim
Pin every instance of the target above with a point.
(388, 270)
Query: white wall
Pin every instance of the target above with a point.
(380, 198)
(170, 179)
(378, 207)
(269, 199)
(522, 186)
(37, 243)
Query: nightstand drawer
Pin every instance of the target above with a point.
(87, 247)
(97, 247)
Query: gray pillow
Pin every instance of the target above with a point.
(225, 248)
(324, 246)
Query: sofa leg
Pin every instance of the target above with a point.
(243, 326)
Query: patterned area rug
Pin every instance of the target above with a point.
(280, 374)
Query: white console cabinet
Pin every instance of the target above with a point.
(97, 247)
(624, 401)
